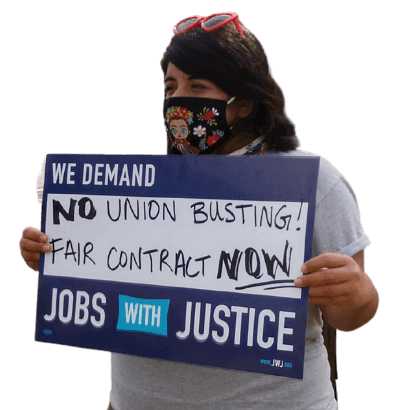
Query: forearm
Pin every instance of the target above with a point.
(351, 318)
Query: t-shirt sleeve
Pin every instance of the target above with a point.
(337, 221)
(40, 182)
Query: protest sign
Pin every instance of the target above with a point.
(189, 259)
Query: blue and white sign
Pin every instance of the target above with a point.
(189, 259)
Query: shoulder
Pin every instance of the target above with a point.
(40, 181)
(330, 179)
(337, 226)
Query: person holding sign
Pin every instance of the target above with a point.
(220, 99)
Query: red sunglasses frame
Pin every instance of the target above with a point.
(201, 21)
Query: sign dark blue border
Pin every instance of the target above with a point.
(287, 179)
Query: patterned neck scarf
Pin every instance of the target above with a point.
(256, 147)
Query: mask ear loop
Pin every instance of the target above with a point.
(237, 118)
(231, 99)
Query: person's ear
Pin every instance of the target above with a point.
(245, 107)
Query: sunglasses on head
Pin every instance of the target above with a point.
(209, 23)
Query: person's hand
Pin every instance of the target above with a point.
(339, 285)
(333, 279)
(32, 243)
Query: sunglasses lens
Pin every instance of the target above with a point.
(214, 21)
(185, 24)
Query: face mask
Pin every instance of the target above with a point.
(196, 125)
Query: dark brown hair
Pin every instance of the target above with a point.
(239, 67)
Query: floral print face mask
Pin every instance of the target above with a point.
(195, 125)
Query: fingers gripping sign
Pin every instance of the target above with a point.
(334, 280)
(32, 243)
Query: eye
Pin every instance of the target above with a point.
(184, 131)
(198, 86)
(169, 89)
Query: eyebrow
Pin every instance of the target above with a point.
(191, 77)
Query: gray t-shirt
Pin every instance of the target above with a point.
(141, 383)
